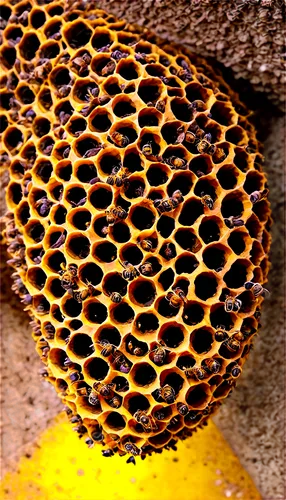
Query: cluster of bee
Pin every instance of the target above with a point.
(169, 204)
(256, 289)
(118, 176)
(208, 367)
(115, 214)
(232, 304)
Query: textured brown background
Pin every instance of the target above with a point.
(252, 419)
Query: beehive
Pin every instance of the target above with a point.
(138, 223)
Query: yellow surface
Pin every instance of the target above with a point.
(63, 468)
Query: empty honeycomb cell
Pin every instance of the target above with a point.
(139, 213)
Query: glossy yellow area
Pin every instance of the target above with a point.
(63, 468)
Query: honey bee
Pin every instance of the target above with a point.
(176, 163)
(93, 398)
(190, 137)
(115, 297)
(122, 363)
(160, 105)
(130, 272)
(107, 348)
(146, 269)
(118, 176)
(196, 373)
(167, 393)
(235, 371)
(258, 195)
(147, 149)
(68, 276)
(108, 69)
(43, 206)
(147, 422)
(119, 139)
(203, 146)
(232, 304)
(79, 296)
(212, 365)
(256, 288)
(132, 448)
(233, 221)
(146, 245)
(104, 390)
(169, 204)
(134, 349)
(183, 409)
(176, 298)
(207, 201)
(221, 335)
(107, 453)
(159, 354)
(232, 344)
(114, 214)
(115, 402)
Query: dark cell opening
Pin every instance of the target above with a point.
(100, 40)
(81, 219)
(142, 218)
(231, 206)
(123, 313)
(219, 317)
(64, 171)
(205, 286)
(14, 138)
(59, 215)
(193, 313)
(254, 227)
(46, 145)
(41, 127)
(124, 107)
(205, 186)
(78, 35)
(101, 122)
(143, 292)
(56, 288)
(174, 380)
(57, 314)
(234, 135)
(214, 257)
(112, 87)
(3, 123)
(115, 421)
(135, 188)
(166, 278)
(83, 88)
(200, 165)
(50, 50)
(183, 182)
(196, 92)
(81, 345)
(187, 240)
(132, 162)
(237, 275)
(15, 193)
(72, 308)
(128, 70)
(115, 283)
(96, 312)
(101, 198)
(150, 90)
(36, 231)
(86, 172)
(37, 277)
(253, 182)
(236, 242)
(14, 34)
(29, 46)
(138, 402)
(226, 177)
(87, 147)
(45, 99)
(132, 254)
(197, 396)
(148, 139)
(120, 232)
(37, 18)
(23, 213)
(53, 28)
(57, 357)
(148, 118)
(97, 368)
(147, 322)
(192, 209)
(106, 252)
(201, 340)
(77, 126)
(111, 334)
(157, 176)
(222, 390)
(144, 374)
(79, 246)
(241, 159)
(182, 110)
(186, 264)
(222, 113)
(209, 230)
(185, 362)
(76, 196)
(128, 132)
(173, 336)
(63, 334)
(135, 344)
(160, 439)
(56, 239)
(121, 384)
(56, 261)
(100, 227)
(165, 226)
(169, 132)
(108, 162)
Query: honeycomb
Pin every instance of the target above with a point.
(138, 222)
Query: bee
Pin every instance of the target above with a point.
(147, 149)
(196, 373)
(169, 204)
(176, 163)
(169, 251)
(160, 106)
(69, 276)
(146, 421)
(233, 221)
(159, 354)
(118, 176)
(130, 272)
(199, 105)
(144, 58)
(232, 304)
(258, 195)
(80, 64)
(134, 349)
(232, 344)
(122, 363)
(185, 74)
(212, 365)
(180, 135)
(75, 376)
(104, 390)
(115, 402)
(79, 296)
(221, 335)
(207, 201)
(203, 146)
(115, 297)
(219, 153)
(93, 398)
(167, 393)
(256, 288)
(176, 298)
(146, 245)
(107, 453)
(183, 409)
(43, 206)
(107, 348)
(190, 137)
(114, 214)
(146, 269)
(132, 448)
(119, 139)
(108, 69)
(235, 371)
